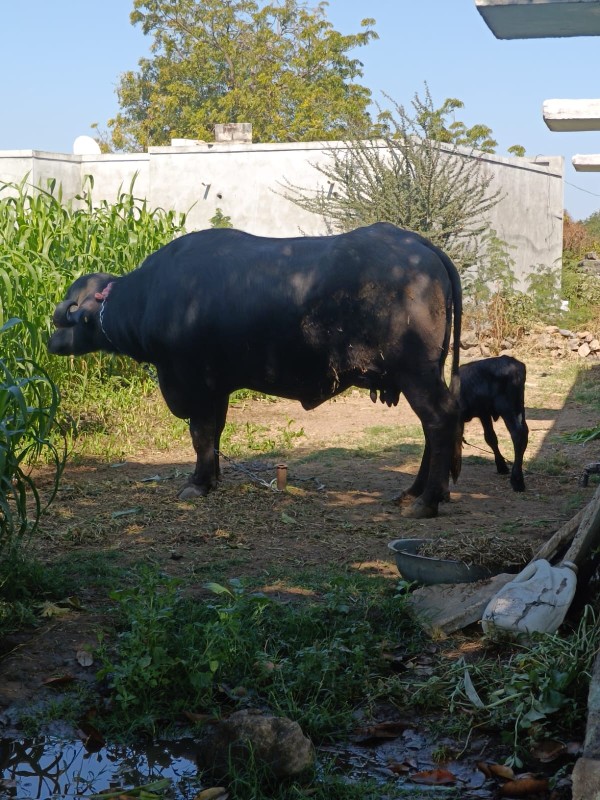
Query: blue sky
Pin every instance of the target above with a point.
(60, 63)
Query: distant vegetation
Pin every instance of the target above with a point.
(582, 290)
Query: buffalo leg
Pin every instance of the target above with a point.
(220, 418)
(438, 411)
(206, 427)
(419, 483)
(492, 441)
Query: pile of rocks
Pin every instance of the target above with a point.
(549, 339)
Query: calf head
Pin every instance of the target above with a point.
(77, 318)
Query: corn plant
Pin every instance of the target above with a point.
(47, 242)
(28, 407)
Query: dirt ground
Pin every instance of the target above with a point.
(336, 509)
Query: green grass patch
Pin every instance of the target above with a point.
(381, 439)
(554, 464)
(586, 389)
(310, 660)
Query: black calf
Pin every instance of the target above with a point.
(492, 388)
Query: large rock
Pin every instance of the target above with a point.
(275, 744)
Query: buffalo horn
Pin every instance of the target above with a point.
(62, 313)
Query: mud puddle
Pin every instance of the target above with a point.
(48, 769)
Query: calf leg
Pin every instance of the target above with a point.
(519, 433)
(492, 441)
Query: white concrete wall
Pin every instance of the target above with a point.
(248, 182)
(529, 218)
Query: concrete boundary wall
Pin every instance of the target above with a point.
(248, 183)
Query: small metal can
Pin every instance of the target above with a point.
(281, 476)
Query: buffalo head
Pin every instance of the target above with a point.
(77, 318)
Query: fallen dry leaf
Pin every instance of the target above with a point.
(434, 777)
(214, 793)
(58, 680)
(398, 768)
(482, 766)
(48, 609)
(501, 771)
(523, 787)
(548, 750)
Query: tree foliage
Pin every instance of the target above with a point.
(280, 66)
(580, 288)
(422, 173)
(592, 226)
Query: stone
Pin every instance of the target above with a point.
(275, 744)
(584, 350)
(586, 779)
(591, 746)
(547, 341)
(594, 345)
(468, 339)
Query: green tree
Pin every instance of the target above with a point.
(280, 66)
(411, 176)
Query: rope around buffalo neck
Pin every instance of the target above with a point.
(104, 296)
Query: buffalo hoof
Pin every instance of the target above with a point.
(403, 499)
(418, 510)
(517, 484)
(192, 490)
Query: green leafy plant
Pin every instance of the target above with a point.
(542, 284)
(46, 243)
(310, 661)
(407, 170)
(220, 220)
(28, 433)
(28, 408)
(522, 695)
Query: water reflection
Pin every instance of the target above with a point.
(45, 769)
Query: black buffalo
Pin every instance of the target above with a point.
(302, 318)
(493, 388)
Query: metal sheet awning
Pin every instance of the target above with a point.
(535, 19)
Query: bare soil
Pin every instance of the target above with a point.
(335, 510)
